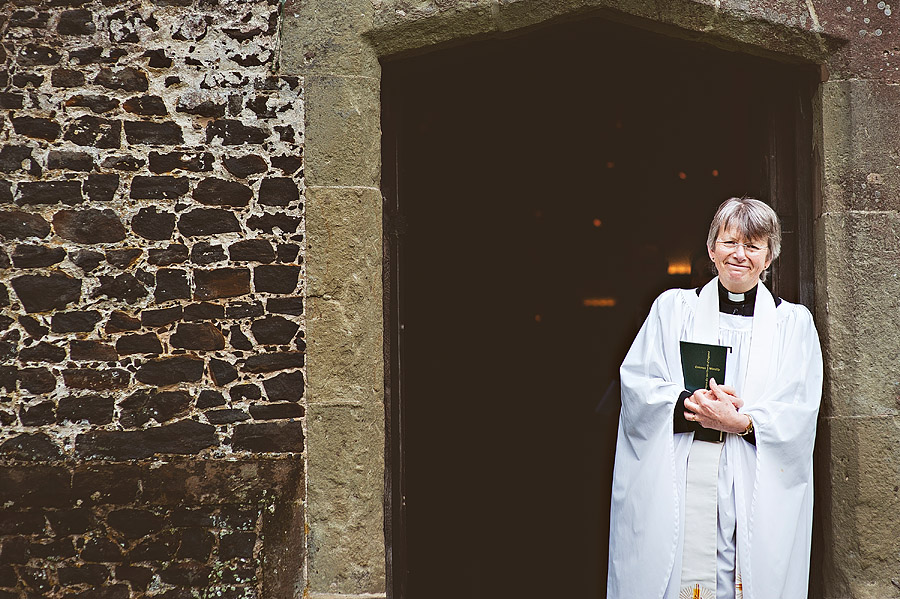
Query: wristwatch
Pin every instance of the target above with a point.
(749, 428)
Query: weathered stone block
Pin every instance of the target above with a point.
(244, 392)
(277, 411)
(238, 339)
(101, 550)
(287, 386)
(270, 222)
(183, 437)
(127, 79)
(120, 321)
(285, 305)
(12, 157)
(125, 287)
(274, 330)
(162, 317)
(233, 132)
(207, 253)
(227, 416)
(75, 322)
(146, 106)
(33, 327)
(252, 250)
(92, 131)
(95, 409)
(41, 293)
(199, 336)
(175, 253)
(138, 576)
(244, 166)
(207, 221)
(150, 224)
(287, 164)
(188, 161)
(277, 437)
(30, 447)
(218, 192)
(123, 258)
(237, 544)
(73, 161)
(153, 134)
(222, 372)
(148, 343)
(171, 283)
(36, 256)
(49, 192)
(66, 78)
(221, 282)
(76, 22)
(270, 362)
(96, 380)
(35, 127)
(97, 104)
(209, 399)
(101, 188)
(89, 574)
(244, 310)
(89, 226)
(278, 191)
(91, 351)
(170, 371)
(159, 188)
(276, 278)
(86, 260)
(43, 352)
(16, 224)
(204, 311)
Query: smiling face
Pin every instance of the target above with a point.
(739, 269)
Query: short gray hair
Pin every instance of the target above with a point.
(754, 220)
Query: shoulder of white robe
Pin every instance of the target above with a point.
(706, 314)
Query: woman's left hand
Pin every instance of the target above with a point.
(717, 409)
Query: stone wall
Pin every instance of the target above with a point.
(151, 278)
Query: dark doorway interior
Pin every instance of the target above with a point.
(542, 190)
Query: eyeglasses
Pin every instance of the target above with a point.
(749, 248)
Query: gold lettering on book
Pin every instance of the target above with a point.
(708, 369)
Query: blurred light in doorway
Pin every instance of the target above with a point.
(610, 164)
(715, 172)
(680, 266)
(682, 175)
(598, 222)
(599, 302)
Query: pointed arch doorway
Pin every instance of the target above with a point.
(541, 191)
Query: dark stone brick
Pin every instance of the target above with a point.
(278, 191)
(89, 574)
(270, 222)
(287, 386)
(221, 282)
(41, 293)
(31, 19)
(260, 106)
(150, 224)
(161, 548)
(11, 100)
(146, 106)
(205, 108)
(36, 579)
(35, 55)
(227, 416)
(208, 221)
(124, 163)
(38, 414)
(240, 35)
(66, 78)
(7, 418)
(71, 161)
(89, 225)
(92, 351)
(125, 287)
(31, 446)
(74, 322)
(237, 544)
(153, 134)
(119, 322)
(105, 484)
(277, 411)
(209, 399)
(138, 576)
(162, 317)
(244, 392)
(12, 157)
(23, 80)
(274, 361)
(142, 406)
(89, 55)
(222, 372)
(244, 310)
(158, 59)
(199, 336)
(184, 437)
(175, 253)
(147, 343)
(204, 311)
(17, 522)
(159, 187)
(94, 132)
(128, 79)
(71, 521)
(188, 161)
(49, 192)
(196, 543)
(101, 188)
(43, 352)
(123, 258)
(186, 575)
(16, 224)
(101, 550)
(33, 327)
(6, 196)
(97, 104)
(280, 437)
(288, 164)
(134, 523)
(207, 253)
(4, 299)
(57, 549)
(252, 250)
(87, 260)
(37, 380)
(244, 166)
(218, 192)
(233, 132)
(96, 380)
(274, 330)
(276, 278)
(285, 305)
(14, 551)
(96, 409)
(238, 340)
(169, 371)
(76, 22)
(37, 256)
(171, 283)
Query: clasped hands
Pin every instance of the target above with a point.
(716, 408)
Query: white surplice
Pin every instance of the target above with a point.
(781, 385)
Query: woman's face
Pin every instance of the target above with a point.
(739, 268)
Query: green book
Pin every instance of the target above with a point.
(701, 362)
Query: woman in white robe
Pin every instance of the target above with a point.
(763, 488)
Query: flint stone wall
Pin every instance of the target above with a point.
(151, 279)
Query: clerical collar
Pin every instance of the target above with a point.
(740, 304)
